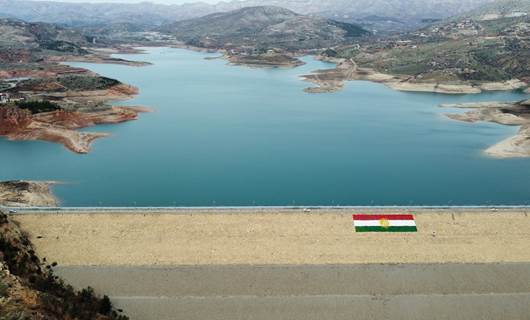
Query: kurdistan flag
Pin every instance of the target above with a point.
(384, 223)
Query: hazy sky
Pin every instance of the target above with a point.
(130, 1)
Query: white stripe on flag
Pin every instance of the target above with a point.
(391, 223)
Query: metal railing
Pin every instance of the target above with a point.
(15, 210)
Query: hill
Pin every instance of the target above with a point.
(490, 44)
(23, 41)
(501, 9)
(263, 27)
(43, 99)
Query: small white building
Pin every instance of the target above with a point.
(4, 98)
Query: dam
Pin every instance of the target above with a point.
(289, 263)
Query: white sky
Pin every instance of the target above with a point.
(132, 1)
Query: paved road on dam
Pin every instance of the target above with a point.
(411, 291)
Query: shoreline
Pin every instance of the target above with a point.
(504, 113)
(22, 193)
(83, 108)
(61, 126)
(103, 58)
(265, 60)
(333, 80)
(328, 80)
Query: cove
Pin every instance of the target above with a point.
(224, 135)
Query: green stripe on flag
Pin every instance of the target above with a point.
(388, 229)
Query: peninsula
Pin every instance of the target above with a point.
(506, 113)
(41, 99)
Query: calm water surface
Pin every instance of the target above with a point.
(225, 135)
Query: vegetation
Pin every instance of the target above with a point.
(82, 83)
(63, 46)
(55, 299)
(264, 27)
(73, 82)
(488, 45)
(35, 106)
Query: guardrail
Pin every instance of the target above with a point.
(226, 208)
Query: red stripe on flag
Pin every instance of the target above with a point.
(383, 216)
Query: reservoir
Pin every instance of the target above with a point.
(222, 135)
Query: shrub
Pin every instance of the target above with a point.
(38, 106)
(3, 289)
(105, 307)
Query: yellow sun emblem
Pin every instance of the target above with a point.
(384, 223)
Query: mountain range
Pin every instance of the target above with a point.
(377, 14)
(263, 27)
(24, 41)
(491, 43)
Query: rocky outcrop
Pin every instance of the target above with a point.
(332, 80)
(413, 86)
(27, 193)
(81, 100)
(513, 84)
(60, 126)
(13, 119)
(29, 289)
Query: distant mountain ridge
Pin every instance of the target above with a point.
(149, 14)
(489, 44)
(264, 27)
(31, 41)
(501, 9)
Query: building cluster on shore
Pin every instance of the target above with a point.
(6, 98)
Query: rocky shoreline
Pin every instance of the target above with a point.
(79, 98)
(20, 193)
(60, 126)
(265, 60)
(103, 56)
(280, 59)
(506, 113)
(81, 109)
(332, 80)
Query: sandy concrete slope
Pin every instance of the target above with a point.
(274, 236)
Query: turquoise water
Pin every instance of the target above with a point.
(227, 135)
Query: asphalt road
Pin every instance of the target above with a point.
(369, 291)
